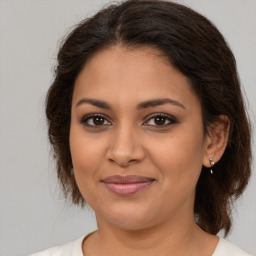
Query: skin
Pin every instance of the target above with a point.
(129, 141)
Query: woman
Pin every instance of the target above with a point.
(148, 126)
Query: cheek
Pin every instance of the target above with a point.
(85, 153)
(80, 152)
(179, 157)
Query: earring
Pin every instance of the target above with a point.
(212, 164)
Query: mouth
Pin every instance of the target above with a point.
(127, 185)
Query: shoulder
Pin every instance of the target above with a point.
(68, 249)
(225, 248)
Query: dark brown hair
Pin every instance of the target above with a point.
(198, 50)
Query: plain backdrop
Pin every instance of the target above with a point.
(33, 214)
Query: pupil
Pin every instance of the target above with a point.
(160, 120)
(98, 120)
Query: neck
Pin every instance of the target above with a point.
(175, 238)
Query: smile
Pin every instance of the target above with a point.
(127, 185)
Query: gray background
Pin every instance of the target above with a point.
(33, 215)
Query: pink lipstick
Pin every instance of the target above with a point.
(127, 185)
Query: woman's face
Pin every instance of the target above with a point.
(136, 138)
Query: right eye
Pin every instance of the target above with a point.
(95, 120)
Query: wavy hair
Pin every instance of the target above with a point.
(196, 48)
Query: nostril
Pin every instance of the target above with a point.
(125, 149)
(122, 161)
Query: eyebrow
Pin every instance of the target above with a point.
(97, 103)
(158, 102)
(142, 105)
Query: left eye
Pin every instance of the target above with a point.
(95, 120)
(160, 120)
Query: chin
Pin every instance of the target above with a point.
(128, 217)
(130, 224)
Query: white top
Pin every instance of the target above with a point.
(224, 248)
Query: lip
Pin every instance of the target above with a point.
(127, 185)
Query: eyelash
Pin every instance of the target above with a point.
(85, 119)
(170, 119)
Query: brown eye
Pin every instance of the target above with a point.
(98, 120)
(160, 120)
(95, 120)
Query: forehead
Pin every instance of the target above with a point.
(125, 74)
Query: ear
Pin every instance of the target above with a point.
(216, 140)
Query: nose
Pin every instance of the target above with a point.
(125, 147)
